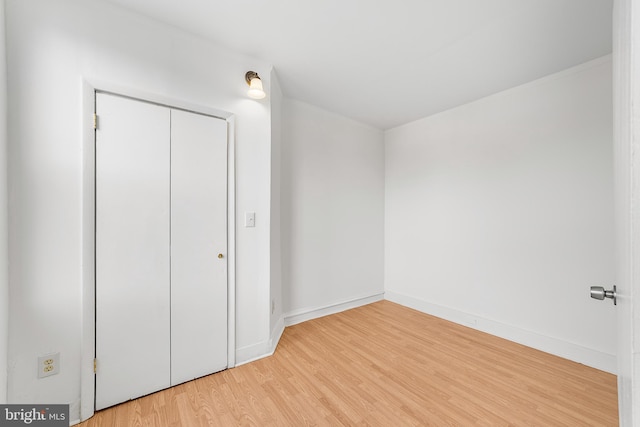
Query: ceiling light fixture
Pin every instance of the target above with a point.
(255, 85)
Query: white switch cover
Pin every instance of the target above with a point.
(249, 219)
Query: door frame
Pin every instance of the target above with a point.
(626, 99)
(88, 320)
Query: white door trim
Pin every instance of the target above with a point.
(626, 100)
(88, 338)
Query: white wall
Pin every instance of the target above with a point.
(332, 210)
(52, 46)
(276, 324)
(499, 214)
(4, 255)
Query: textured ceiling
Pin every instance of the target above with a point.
(389, 62)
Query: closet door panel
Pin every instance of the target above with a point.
(132, 249)
(198, 245)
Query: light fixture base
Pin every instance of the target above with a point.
(250, 75)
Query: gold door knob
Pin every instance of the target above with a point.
(220, 256)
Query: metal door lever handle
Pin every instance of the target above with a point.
(598, 292)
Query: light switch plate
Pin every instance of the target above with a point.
(249, 219)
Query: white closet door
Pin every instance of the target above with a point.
(198, 245)
(132, 249)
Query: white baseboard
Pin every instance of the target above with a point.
(263, 349)
(568, 350)
(276, 334)
(74, 412)
(253, 352)
(302, 315)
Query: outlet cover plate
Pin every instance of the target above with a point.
(48, 365)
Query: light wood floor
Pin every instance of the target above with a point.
(384, 365)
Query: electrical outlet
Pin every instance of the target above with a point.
(49, 364)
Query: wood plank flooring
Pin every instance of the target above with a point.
(384, 365)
